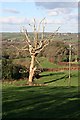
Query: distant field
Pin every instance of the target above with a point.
(67, 37)
(12, 35)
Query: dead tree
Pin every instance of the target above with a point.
(37, 47)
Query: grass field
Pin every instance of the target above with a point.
(55, 100)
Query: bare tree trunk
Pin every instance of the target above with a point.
(32, 70)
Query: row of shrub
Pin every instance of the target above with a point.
(12, 71)
(67, 63)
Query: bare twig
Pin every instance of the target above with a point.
(43, 27)
(34, 25)
(15, 47)
(40, 23)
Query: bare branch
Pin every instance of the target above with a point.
(38, 63)
(59, 50)
(42, 47)
(43, 27)
(24, 47)
(19, 49)
(26, 35)
(40, 23)
(15, 47)
(35, 34)
(34, 25)
(28, 41)
(54, 33)
(57, 29)
(45, 45)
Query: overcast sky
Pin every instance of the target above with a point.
(18, 13)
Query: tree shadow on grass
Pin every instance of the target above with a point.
(51, 74)
(64, 77)
(41, 102)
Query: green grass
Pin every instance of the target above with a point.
(46, 64)
(59, 78)
(56, 100)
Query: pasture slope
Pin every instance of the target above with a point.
(55, 100)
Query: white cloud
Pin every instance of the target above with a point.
(71, 17)
(63, 10)
(55, 21)
(58, 11)
(14, 20)
(53, 5)
(10, 10)
(52, 12)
